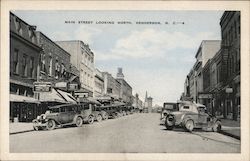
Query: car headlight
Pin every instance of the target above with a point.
(43, 116)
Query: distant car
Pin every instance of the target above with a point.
(190, 116)
(99, 114)
(58, 116)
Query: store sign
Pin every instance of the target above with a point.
(73, 87)
(61, 85)
(229, 90)
(82, 94)
(42, 86)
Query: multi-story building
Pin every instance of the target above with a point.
(221, 72)
(230, 50)
(98, 84)
(137, 103)
(126, 89)
(24, 60)
(112, 87)
(83, 58)
(55, 61)
(206, 50)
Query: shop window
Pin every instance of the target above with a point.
(15, 61)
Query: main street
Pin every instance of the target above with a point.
(140, 133)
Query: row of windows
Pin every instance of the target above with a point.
(23, 66)
(60, 70)
(234, 31)
(18, 26)
(87, 79)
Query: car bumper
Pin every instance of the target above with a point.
(39, 124)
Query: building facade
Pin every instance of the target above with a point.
(230, 46)
(83, 58)
(98, 84)
(24, 60)
(112, 87)
(220, 86)
(55, 61)
(126, 89)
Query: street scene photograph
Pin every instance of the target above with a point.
(120, 81)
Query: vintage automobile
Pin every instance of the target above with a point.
(190, 116)
(86, 112)
(58, 116)
(168, 107)
(99, 114)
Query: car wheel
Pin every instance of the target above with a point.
(189, 125)
(51, 124)
(106, 117)
(217, 126)
(169, 122)
(79, 121)
(90, 119)
(99, 118)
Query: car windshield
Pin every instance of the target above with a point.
(201, 109)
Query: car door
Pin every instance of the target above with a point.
(202, 116)
(63, 115)
(71, 110)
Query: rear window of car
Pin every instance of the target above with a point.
(186, 107)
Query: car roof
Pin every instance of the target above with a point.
(62, 105)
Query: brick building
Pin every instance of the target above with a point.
(24, 60)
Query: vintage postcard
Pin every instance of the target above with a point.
(124, 80)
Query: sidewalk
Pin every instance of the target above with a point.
(231, 128)
(20, 127)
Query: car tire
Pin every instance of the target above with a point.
(217, 126)
(189, 125)
(79, 121)
(169, 122)
(90, 119)
(105, 117)
(51, 124)
(99, 118)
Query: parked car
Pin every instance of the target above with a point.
(190, 116)
(99, 114)
(58, 116)
(111, 110)
(85, 109)
(168, 107)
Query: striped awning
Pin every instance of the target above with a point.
(20, 98)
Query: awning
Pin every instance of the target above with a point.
(19, 98)
(52, 96)
(72, 78)
(89, 100)
(67, 96)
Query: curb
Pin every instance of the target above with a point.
(19, 132)
(229, 134)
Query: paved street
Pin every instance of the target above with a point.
(140, 133)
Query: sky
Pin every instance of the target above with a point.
(155, 57)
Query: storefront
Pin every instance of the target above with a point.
(23, 109)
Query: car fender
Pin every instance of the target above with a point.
(185, 118)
